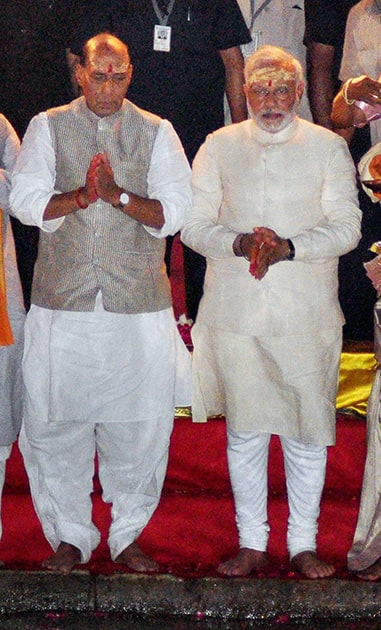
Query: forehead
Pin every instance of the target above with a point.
(107, 61)
(272, 75)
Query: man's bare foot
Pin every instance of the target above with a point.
(310, 565)
(246, 561)
(136, 560)
(371, 573)
(64, 559)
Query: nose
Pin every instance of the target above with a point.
(270, 99)
(107, 85)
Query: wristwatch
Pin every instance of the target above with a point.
(291, 250)
(123, 200)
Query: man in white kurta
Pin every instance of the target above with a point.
(275, 205)
(103, 365)
(11, 393)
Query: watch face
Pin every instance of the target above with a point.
(124, 198)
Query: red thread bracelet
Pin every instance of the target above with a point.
(77, 199)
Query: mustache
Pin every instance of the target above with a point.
(271, 110)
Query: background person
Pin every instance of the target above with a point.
(324, 38)
(358, 102)
(12, 314)
(277, 23)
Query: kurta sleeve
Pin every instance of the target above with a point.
(169, 180)
(33, 179)
(202, 232)
(339, 200)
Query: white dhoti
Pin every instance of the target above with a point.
(100, 383)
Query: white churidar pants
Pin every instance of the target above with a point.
(305, 466)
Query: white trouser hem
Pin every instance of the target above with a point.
(305, 466)
(69, 533)
(5, 451)
(297, 551)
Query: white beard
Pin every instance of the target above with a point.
(274, 127)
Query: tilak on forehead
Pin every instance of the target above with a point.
(271, 74)
(99, 64)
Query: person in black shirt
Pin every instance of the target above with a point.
(324, 38)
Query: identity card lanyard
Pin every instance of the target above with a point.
(162, 32)
(255, 34)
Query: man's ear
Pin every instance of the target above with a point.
(300, 89)
(78, 74)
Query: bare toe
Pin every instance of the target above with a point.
(64, 559)
(135, 559)
(310, 565)
(246, 561)
(371, 573)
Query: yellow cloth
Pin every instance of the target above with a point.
(6, 337)
(357, 372)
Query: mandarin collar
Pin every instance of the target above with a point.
(279, 137)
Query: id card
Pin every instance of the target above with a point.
(162, 38)
(248, 49)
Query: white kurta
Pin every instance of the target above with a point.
(301, 183)
(10, 356)
(75, 373)
(11, 392)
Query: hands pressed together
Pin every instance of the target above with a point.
(263, 248)
(100, 182)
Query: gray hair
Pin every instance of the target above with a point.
(272, 56)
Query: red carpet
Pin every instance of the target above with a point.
(193, 527)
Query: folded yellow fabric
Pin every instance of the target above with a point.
(357, 371)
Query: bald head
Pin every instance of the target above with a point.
(103, 44)
(104, 73)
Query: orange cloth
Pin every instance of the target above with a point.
(6, 337)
